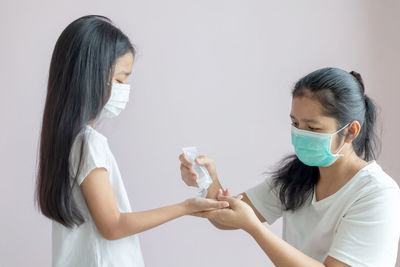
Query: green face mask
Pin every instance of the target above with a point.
(314, 149)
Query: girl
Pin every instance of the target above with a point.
(79, 184)
(339, 207)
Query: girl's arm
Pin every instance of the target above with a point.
(189, 176)
(113, 224)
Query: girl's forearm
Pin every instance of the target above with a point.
(279, 251)
(135, 222)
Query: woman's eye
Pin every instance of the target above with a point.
(294, 124)
(313, 129)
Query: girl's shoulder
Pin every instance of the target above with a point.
(89, 150)
(93, 133)
(91, 141)
(89, 137)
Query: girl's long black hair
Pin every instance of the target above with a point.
(342, 96)
(81, 69)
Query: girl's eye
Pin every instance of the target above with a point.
(294, 124)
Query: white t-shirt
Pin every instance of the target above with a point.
(84, 246)
(358, 225)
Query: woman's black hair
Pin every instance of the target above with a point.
(342, 97)
(81, 70)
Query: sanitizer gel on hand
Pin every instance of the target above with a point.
(204, 180)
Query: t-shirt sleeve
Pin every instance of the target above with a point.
(93, 155)
(368, 233)
(265, 199)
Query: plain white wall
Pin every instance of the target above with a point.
(215, 74)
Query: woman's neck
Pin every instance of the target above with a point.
(334, 177)
(341, 171)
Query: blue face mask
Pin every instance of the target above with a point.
(314, 149)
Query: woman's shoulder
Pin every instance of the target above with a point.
(374, 181)
(376, 177)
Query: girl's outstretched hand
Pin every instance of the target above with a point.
(198, 204)
(238, 215)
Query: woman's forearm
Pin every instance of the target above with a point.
(212, 193)
(135, 222)
(279, 251)
(212, 190)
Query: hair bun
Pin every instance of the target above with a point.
(359, 79)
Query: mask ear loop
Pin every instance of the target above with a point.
(341, 129)
(340, 149)
(341, 155)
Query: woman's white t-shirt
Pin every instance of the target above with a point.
(84, 246)
(358, 225)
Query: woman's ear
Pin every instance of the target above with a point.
(353, 131)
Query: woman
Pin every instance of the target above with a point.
(339, 207)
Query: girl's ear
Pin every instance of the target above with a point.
(353, 131)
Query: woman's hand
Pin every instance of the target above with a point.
(198, 204)
(189, 176)
(238, 215)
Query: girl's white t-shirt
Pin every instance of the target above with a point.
(84, 246)
(358, 225)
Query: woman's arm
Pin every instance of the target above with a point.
(244, 215)
(112, 224)
(281, 253)
(189, 176)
